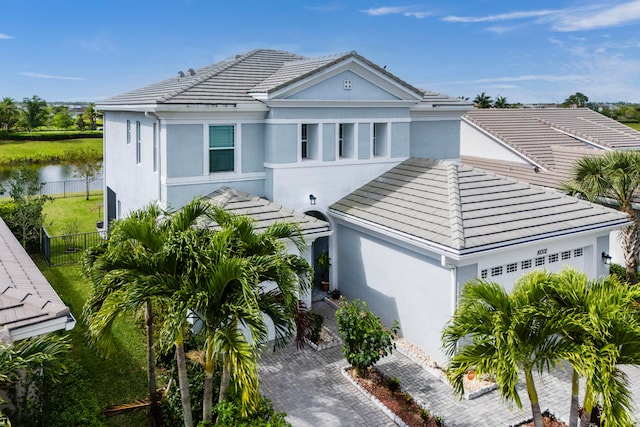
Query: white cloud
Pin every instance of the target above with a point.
(530, 77)
(599, 16)
(50, 76)
(5, 36)
(405, 11)
(499, 17)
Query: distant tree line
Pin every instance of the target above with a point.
(34, 113)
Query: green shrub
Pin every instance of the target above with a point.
(317, 321)
(228, 414)
(365, 338)
(393, 384)
(425, 415)
(619, 271)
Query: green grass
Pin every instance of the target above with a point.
(636, 126)
(120, 378)
(31, 152)
(62, 214)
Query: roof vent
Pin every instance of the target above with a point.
(191, 72)
(180, 74)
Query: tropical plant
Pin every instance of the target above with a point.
(500, 334)
(9, 113)
(365, 338)
(612, 179)
(35, 113)
(482, 101)
(133, 268)
(500, 102)
(234, 266)
(604, 331)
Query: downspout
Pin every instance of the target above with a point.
(454, 286)
(152, 115)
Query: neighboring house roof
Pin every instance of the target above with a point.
(463, 210)
(236, 80)
(532, 131)
(29, 306)
(264, 212)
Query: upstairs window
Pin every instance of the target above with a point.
(221, 148)
(309, 142)
(346, 141)
(155, 147)
(138, 143)
(380, 140)
(128, 131)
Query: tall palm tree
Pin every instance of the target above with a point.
(135, 267)
(239, 261)
(605, 331)
(612, 179)
(482, 101)
(500, 334)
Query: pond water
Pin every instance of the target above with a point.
(46, 173)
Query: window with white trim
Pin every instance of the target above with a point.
(128, 131)
(513, 267)
(554, 258)
(221, 148)
(540, 261)
(346, 141)
(138, 143)
(578, 252)
(496, 271)
(380, 140)
(484, 273)
(309, 142)
(526, 264)
(566, 255)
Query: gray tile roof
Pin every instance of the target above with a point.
(467, 209)
(259, 71)
(26, 297)
(264, 212)
(533, 131)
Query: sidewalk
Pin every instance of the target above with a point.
(308, 386)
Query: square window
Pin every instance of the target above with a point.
(525, 264)
(484, 273)
(221, 148)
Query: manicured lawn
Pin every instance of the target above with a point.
(62, 215)
(636, 126)
(29, 152)
(120, 378)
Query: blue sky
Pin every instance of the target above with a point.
(527, 51)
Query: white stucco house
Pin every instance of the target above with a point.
(410, 239)
(366, 164)
(541, 145)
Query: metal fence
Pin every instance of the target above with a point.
(61, 189)
(68, 249)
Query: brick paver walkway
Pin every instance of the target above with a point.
(309, 387)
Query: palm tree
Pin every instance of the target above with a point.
(501, 102)
(135, 267)
(500, 334)
(605, 332)
(230, 297)
(482, 101)
(612, 179)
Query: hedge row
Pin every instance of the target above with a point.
(48, 135)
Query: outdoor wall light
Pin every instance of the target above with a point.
(312, 199)
(606, 258)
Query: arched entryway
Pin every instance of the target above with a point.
(318, 247)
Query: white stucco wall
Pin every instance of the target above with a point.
(477, 144)
(135, 184)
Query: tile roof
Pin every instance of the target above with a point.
(466, 209)
(264, 212)
(532, 131)
(236, 80)
(26, 297)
